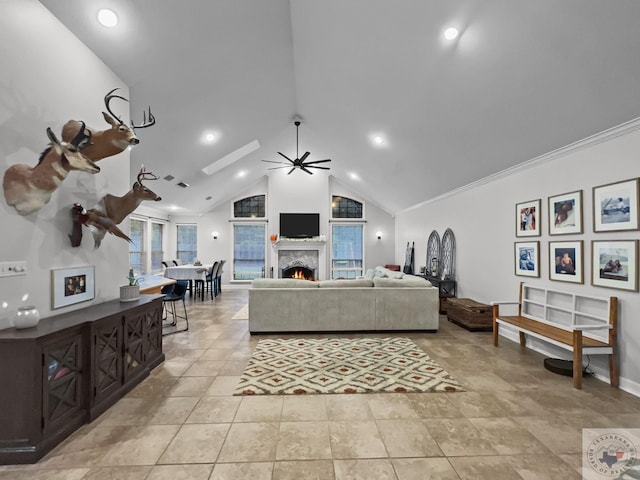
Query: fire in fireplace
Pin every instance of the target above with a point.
(298, 272)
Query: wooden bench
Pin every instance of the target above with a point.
(582, 324)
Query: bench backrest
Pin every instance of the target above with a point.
(566, 310)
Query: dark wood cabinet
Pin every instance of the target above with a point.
(71, 368)
(446, 290)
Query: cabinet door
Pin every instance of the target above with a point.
(153, 344)
(107, 344)
(134, 341)
(62, 390)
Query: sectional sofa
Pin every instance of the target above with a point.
(381, 303)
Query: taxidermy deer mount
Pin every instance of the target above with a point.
(28, 189)
(105, 143)
(110, 211)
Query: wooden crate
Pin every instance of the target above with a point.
(469, 314)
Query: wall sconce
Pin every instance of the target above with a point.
(214, 235)
(379, 235)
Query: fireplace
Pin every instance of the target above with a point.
(302, 264)
(301, 271)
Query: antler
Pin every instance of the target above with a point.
(82, 138)
(145, 124)
(107, 98)
(143, 174)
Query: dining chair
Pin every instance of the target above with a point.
(172, 295)
(213, 269)
(165, 263)
(177, 262)
(218, 280)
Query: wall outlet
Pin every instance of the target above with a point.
(9, 269)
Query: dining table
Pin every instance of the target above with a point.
(189, 272)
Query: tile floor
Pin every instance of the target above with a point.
(515, 421)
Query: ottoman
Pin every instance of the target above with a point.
(469, 314)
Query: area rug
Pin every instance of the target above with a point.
(242, 314)
(342, 365)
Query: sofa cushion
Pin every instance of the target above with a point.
(408, 281)
(282, 283)
(381, 272)
(370, 274)
(345, 283)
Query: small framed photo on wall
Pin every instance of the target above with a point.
(615, 264)
(72, 285)
(565, 213)
(527, 259)
(615, 206)
(566, 261)
(528, 219)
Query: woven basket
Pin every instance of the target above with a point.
(469, 314)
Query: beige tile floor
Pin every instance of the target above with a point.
(514, 421)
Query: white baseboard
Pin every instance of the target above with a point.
(539, 346)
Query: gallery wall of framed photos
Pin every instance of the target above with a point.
(612, 262)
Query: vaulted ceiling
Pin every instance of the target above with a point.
(522, 79)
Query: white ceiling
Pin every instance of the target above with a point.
(524, 78)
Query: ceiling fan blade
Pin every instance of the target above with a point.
(318, 161)
(305, 170)
(321, 168)
(271, 161)
(289, 172)
(306, 154)
(277, 168)
(282, 154)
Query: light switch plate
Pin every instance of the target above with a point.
(9, 269)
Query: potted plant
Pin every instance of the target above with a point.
(131, 292)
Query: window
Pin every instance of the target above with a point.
(248, 251)
(187, 243)
(157, 252)
(137, 253)
(343, 207)
(346, 251)
(250, 207)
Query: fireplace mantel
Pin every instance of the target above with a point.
(313, 243)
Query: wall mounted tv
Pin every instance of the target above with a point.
(299, 225)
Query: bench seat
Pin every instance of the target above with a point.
(583, 332)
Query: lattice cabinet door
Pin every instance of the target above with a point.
(107, 344)
(63, 392)
(153, 346)
(135, 326)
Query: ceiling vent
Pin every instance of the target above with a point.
(168, 178)
(183, 185)
(209, 197)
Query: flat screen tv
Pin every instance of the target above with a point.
(299, 225)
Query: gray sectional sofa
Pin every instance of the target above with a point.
(406, 302)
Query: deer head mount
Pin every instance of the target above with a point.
(28, 189)
(110, 211)
(109, 142)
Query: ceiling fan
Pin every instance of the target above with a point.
(299, 162)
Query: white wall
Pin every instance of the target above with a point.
(483, 221)
(48, 77)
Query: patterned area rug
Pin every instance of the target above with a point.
(342, 365)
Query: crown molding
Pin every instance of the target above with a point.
(591, 141)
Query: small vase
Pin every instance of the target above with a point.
(129, 293)
(26, 317)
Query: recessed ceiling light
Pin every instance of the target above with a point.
(378, 140)
(451, 33)
(209, 137)
(242, 173)
(107, 17)
(354, 176)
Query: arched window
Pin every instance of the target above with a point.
(250, 207)
(344, 207)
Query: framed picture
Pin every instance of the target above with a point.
(565, 213)
(615, 264)
(528, 219)
(615, 206)
(565, 261)
(72, 285)
(527, 259)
